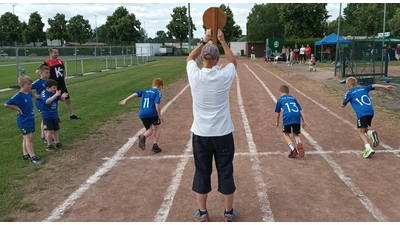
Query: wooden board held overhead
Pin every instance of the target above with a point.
(214, 18)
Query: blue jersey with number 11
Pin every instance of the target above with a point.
(360, 101)
(291, 109)
(150, 98)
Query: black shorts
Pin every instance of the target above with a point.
(51, 124)
(288, 128)
(63, 89)
(147, 122)
(364, 122)
(302, 56)
(204, 149)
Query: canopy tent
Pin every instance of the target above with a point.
(331, 40)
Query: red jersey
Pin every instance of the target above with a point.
(56, 70)
(398, 50)
(308, 51)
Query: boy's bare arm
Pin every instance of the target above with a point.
(14, 107)
(130, 97)
(303, 120)
(158, 109)
(52, 98)
(278, 115)
(386, 87)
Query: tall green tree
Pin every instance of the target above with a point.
(102, 33)
(161, 36)
(178, 27)
(11, 28)
(25, 32)
(35, 29)
(332, 27)
(368, 22)
(231, 30)
(303, 20)
(262, 22)
(79, 29)
(123, 26)
(143, 35)
(394, 24)
(58, 28)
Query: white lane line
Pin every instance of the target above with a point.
(163, 212)
(265, 207)
(103, 169)
(283, 152)
(322, 106)
(368, 204)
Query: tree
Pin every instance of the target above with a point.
(102, 33)
(332, 27)
(260, 23)
(11, 28)
(368, 23)
(178, 27)
(394, 24)
(231, 30)
(34, 30)
(161, 36)
(123, 26)
(79, 29)
(143, 35)
(25, 32)
(303, 20)
(58, 28)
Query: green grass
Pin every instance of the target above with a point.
(95, 98)
(8, 74)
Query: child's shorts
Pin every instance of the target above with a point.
(51, 124)
(28, 130)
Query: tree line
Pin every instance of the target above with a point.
(310, 20)
(121, 28)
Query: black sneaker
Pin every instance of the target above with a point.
(36, 160)
(73, 117)
(26, 157)
(293, 153)
(50, 148)
(156, 149)
(142, 142)
(59, 146)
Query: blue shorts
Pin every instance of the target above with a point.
(26, 131)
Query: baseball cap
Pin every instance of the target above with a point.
(209, 51)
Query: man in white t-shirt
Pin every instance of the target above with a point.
(302, 54)
(212, 125)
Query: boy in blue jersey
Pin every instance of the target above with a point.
(39, 86)
(51, 121)
(150, 113)
(22, 103)
(292, 118)
(362, 106)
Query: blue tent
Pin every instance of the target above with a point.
(332, 39)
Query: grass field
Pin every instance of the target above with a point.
(95, 98)
(8, 74)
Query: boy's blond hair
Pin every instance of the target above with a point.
(43, 68)
(351, 82)
(158, 82)
(24, 80)
(284, 89)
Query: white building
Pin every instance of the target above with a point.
(147, 49)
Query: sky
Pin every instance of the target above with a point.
(153, 16)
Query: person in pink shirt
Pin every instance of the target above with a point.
(398, 52)
(328, 54)
(308, 52)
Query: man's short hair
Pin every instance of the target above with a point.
(209, 51)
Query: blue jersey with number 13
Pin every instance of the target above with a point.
(150, 98)
(291, 109)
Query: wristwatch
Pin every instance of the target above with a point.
(203, 42)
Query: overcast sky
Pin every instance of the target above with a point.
(153, 16)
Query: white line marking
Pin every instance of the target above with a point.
(261, 186)
(163, 212)
(322, 106)
(283, 152)
(368, 204)
(103, 169)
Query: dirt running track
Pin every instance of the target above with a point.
(332, 183)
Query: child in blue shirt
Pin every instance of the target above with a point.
(362, 106)
(292, 118)
(150, 113)
(51, 121)
(22, 103)
(39, 86)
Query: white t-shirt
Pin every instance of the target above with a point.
(302, 50)
(210, 92)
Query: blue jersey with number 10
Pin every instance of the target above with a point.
(291, 109)
(360, 101)
(150, 98)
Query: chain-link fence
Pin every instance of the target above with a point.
(78, 61)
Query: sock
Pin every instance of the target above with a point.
(291, 146)
(202, 213)
(155, 145)
(369, 132)
(367, 146)
(229, 212)
(298, 141)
